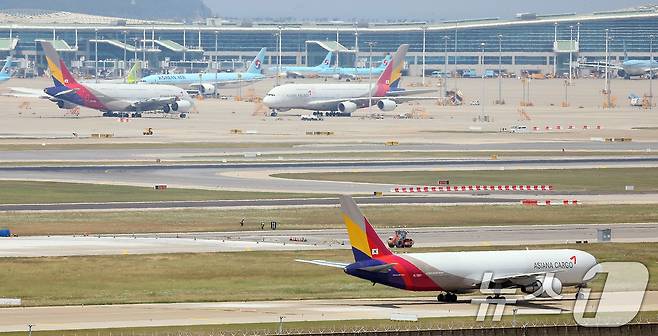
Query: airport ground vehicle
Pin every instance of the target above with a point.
(400, 240)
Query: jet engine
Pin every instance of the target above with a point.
(621, 73)
(181, 106)
(65, 105)
(347, 107)
(544, 288)
(387, 105)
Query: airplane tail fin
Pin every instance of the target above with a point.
(385, 62)
(392, 72)
(326, 63)
(365, 242)
(5, 68)
(58, 70)
(134, 73)
(257, 63)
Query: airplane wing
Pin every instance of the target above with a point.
(599, 65)
(362, 102)
(323, 263)
(152, 103)
(408, 92)
(521, 277)
(22, 92)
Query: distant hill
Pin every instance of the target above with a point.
(178, 10)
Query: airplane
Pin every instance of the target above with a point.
(304, 71)
(344, 98)
(355, 73)
(4, 73)
(542, 273)
(208, 82)
(628, 68)
(110, 98)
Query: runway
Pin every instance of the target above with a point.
(267, 240)
(255, 176)
(180, 314)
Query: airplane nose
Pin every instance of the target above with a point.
(268, 100)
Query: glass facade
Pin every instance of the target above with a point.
(464, 43)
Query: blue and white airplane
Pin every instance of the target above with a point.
(4, 73)
(208, 82)
(304, 71)
(628, 68)
(354, 73)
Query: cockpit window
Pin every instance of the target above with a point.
(271, 94)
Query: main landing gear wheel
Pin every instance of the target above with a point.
(495, 297)
(448, 297)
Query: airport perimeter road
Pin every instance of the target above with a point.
(519, 235)
(177, 153)
(177, 314)
(254, 176)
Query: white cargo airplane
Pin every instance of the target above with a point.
(113, 99)
(344, 97)
(541, 273)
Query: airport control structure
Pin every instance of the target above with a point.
(528, 42)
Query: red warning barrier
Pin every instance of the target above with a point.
(534, 202)
(427, 189)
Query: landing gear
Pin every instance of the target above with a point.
(447, 297)
(318, 114)
(579, 294)
(136, 115)
(274, 113)
(495, 297)
(182, 115)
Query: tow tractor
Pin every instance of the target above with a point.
(400, 240)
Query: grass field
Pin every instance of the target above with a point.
(590, 180)
(28, 192)
(200, 220)
(319, 326)
(223, 276)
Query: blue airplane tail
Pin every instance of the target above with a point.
(257, 64)
(384, 62)
(5, 68)
(326, 63)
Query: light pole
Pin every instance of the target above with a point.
(483, 86)
(216, 45)
(651, 37)
(125, 52)
(555, 50)
(424, 45)
(455, 81)
(280, 53)
(606, 89)
(445, 65)
(96, 54)
(500, 69)
(570, 53)
(370, 45)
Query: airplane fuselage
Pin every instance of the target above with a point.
(195, 78)
(307, 96)
(460, 272)
(115, 97)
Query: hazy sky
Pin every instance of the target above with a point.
(408, 9)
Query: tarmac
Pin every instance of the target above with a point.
(280, 240)
(181, 314)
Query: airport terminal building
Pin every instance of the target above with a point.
(528, 42)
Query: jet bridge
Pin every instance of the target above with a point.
(317, 50)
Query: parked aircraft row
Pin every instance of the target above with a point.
(326, 70)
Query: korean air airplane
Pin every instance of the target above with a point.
(4, 73)
(354, 73)
(208, 82)
(297, 71)
(539, 273)
(628, 68)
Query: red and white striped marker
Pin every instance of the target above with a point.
(534, 202)
(428, 189)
